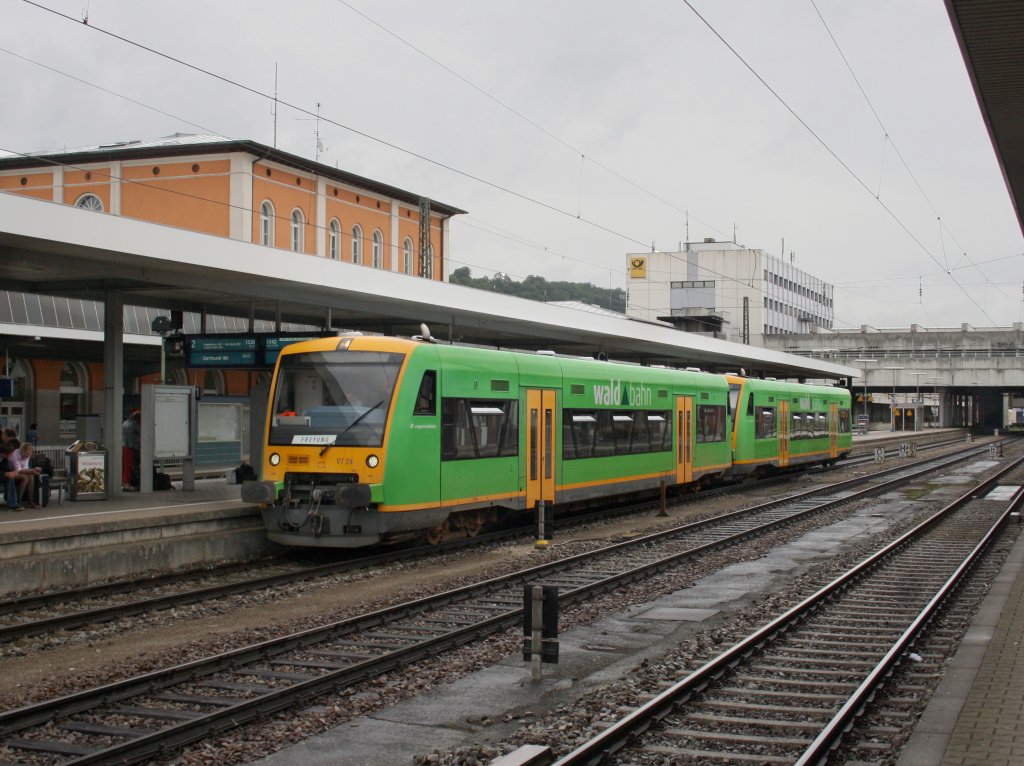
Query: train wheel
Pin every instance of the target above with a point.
(438, 534)
(472, 523)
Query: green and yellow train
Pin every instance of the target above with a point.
(373, 439)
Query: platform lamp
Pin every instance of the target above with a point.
(867, 417)
(893, 404)
(917, 400)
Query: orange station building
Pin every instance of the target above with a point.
(238, 189)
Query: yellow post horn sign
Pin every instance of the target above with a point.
(638, 267)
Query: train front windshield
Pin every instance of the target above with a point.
(334, 398)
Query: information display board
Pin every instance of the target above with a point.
(249, 351)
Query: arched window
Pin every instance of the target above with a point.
(428, 263)
(378, 249)
(73, 396)
(213, 383)
(298, 230)
(334, 240)
(357, 244)
(267, 224)
(90, 202)
(407, 256)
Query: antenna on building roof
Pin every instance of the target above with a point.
(274, 112)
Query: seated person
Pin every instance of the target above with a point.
(9, 477)
(25, 476)
(31, 470)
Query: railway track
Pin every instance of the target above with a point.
(135, 719)
(70, 609)
(788, 692)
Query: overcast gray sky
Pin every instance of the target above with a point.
(574, 132)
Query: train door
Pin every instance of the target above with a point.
(540, 446)
(684, 439)
(833, 429)
(783, 433)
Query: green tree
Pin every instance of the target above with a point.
(539, 289)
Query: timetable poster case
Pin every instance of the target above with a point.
(87, 471)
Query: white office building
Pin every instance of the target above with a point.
(727, 291)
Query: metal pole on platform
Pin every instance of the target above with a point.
(541, 543)
(892, 403)
(867, 417)
(917, 400)
(536, 645)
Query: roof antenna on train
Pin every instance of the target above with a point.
(424, 334)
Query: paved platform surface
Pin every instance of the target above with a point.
(209, 494)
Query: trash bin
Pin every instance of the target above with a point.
(87, 471)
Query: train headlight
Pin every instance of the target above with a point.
(274, 458)
(372, 461)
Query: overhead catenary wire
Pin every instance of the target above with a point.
(830, 150)
(499, 187)
(512, 110)
(229, 81)
(889, 141)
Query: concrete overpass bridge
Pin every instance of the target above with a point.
(962, 376)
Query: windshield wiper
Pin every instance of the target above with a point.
(356, 422)
(328, 446)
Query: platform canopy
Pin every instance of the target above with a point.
(991, 38)
(52, 249)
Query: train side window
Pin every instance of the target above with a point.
(641, 433)
(426, 398)
(750, 405)
(844, 421)
(603, 433)
(796, 426)
(764, 423)
(659, 426)
(710, 423)
(734, 398)
(479, 428)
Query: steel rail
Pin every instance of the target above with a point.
(619, 734)
(14, 631)
(832, 733)
(173, 736)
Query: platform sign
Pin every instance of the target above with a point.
(272, 345)
(249, 351)
(222, 359)
(222, 343)
(221, 351)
